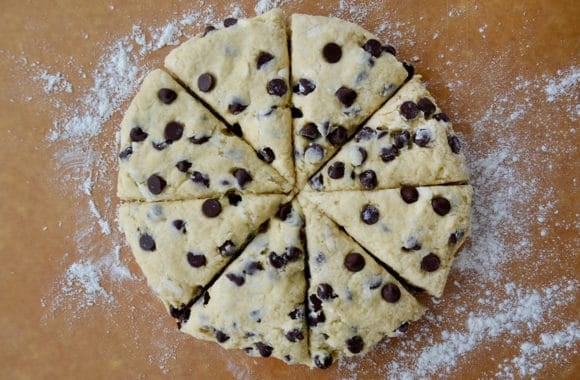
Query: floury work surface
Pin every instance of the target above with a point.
(76, 303)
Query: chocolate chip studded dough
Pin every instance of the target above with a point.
(353, 302)
(166, 138)
(415, 231)
(180, 246)
(408, 141)
(242, 71)
(341, 74)
(266, 287)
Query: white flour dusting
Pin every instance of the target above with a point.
(504, 211)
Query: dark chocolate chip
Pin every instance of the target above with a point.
(160, 145)
(276, 261)
(409, 110)
(317, 182)
(126, 153)
(236, 129)
(354, 262)
(228, 248)
(179, 225)
(346, 96)
(234, 198)
(264, 349)
(442, 116)
(156, 184)
(201, 178)
(403, 328)
(368, 179)
(263, 58)
(199, 140)
(304, 86)
(390, 49)
(402, 139)
(147, 243)
(297, 313)
(382, 134)
(375, 283)
(283, 211)
(183, 166)
(288, 358)
(332, 52)
(409, 194)
(296, 113)
(364, 134)
(264, 227)
(173, 131)
(277, 87)
(137, 134)
(253, 267)
(315, 302)
(410, 70)
(221, 337)
(166, 95)
(363, 154)
(454, 144)
(430, 263)
(196, 260)
(206, 298)
(355, 344)
(322, 362)
(411, 244)
(325, 292)
(389, 153)
(180, 313)
(211, 208)
(422, 137)
(441, 205)
(236, 107)
(310, 131)
(205, 82)
(336, 170)
(242, 176)
(294, 335)
(373, 47)
(230, 21)
(427, 106)
(236, 279)
(456, 236)
(267, 155)
(338, 136)
(208, 29)
(292, 253)
(369, 214)
(391, 292)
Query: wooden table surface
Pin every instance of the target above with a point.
(45, 332)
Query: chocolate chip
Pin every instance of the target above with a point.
(183, 166)
(236, 129)
(126, 153)
(363, 156)
(236, 279)
(354, 262)
(283, 211)
(430, 263)
(373, 47)
(208, 29)
(441, 116)
(179, 225)
(160, 145)
(264, 227)
(206, 298)
(201, 178)
(411, 244)
(253, 267)
(422, 137)
(156, 184)
(276, 261)
(166, 95)
(403, 328)
(427, 106)
(332, 52)
(304, 86)
(234, 198)
(375, 283)
(211, 208)
(314, 153)
(287, 358)
(277, 87)
(389, 153)
(338, 136)
(199, 140)
(264, 349)
(263, 58)
(382, 134)
(454, 144)
(292, 253)
(456, 236)
(236, 107)
(336, 170)
(391, 292)
(180, 313)
(368, 179)
(390, 49)
(228, 248)
(325, 292)
(147, 243)
(230, 21)
(409, 194)
(410, 70)
(297, 313)
(310, 131)
(409, 110)
(221, 337)
(296, 113)
(355, 344)
(364, 134)
(196, 260)
(315, 302)
(402, 139)
(294, 335)
(317, 182)
(322, 362)
(242, 176)
(205, 82)
(441, 205)
(173, 131)
(137, 134)
(369, 214)
(346, 96)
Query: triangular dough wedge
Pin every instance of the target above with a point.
(172, 148)
(418, 239)
(392, 150)
(353, 302)
(257, 304)
(242, 71)
(341, 74)
(181, 246)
